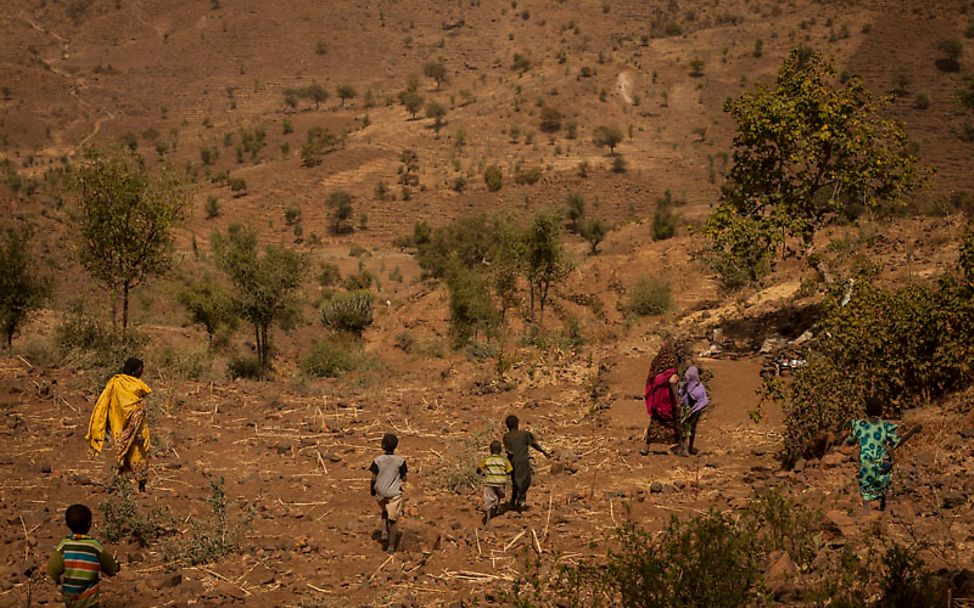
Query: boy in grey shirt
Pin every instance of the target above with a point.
(388, 475)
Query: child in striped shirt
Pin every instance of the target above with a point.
(496, 469)
(78, 560)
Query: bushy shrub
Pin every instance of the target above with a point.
(649, 296)
(911, 343)
(331, 358)
(527, 175)
(472, 312)
(121, 518)
(329, 274)
(83, 335)
(350, 311)
(493, 178)
(664, 218)
(189, 364)
(244, 367)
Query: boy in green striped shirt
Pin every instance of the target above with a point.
(78, 560)
(496, 470)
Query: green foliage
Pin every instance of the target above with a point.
(345, 92)
(436, 111)
(649, 296)
(664, 218)
(121, 518)
(214, 537)
(965, 94)
(313, 92)
(550, 120)
(907, 583)
(265, 286)
(545, 262)
(126, 221)
(245, 367)
(329, 274)
(526, 175)
(186, 364)
(493, 178)
(435, 70)
(576, 209)
(212, 207)
(85, 336)
(349, 311)
(332, 358)
(340, 204)
(22, 290)
(412, 101)
(696, 67)
(952, 49)
(521, 63)
(472, 311)
(912, 343)
(209, 305)
(607, 137)
(408, 170)
(593, 231)
(807, 151)
(319, 142)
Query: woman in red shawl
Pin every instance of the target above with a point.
(662, 396)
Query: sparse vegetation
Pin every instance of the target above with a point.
(214, 537)
(210, 306)
(649, 296)
(664, 218)
(122, 519)
(952, 49)
(435, 70)
(331, 358)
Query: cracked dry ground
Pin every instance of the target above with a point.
(300, 461)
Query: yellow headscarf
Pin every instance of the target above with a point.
(122, 395)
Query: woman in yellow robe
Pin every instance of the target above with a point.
(121, 408)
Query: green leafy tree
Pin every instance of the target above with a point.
(345, 92)
(607, 137)
(807, 151)
(435, 70)
(340, 203)
(594, 232)
(265, 285)
(126, 221)
(413, 102)
(545, 262)
(576, 209)
(316, 93)
(209, 305)
(436, 112)
(22, 290)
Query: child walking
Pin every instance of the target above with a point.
(876, 439)
(516, 443)
(495, 469)
(388, 475)
(78, 561)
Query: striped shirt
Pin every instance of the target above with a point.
(495, 468)
(77, 562)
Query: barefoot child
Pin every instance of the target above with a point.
(876, 439)
(517, 442)
(495, 469)
(78, 560)
(388, 475)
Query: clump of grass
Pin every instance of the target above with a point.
(649, 296)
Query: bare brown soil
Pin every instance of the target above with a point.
(183, 75)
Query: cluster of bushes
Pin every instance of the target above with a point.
(319, 142)
(903, 345)
(718, 560)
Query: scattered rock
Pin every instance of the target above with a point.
(557, 468)
(45, 468)
(170, 581)
(967, 433)
(780, 574)
(838, 523)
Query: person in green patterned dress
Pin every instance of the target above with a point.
(876, 439)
